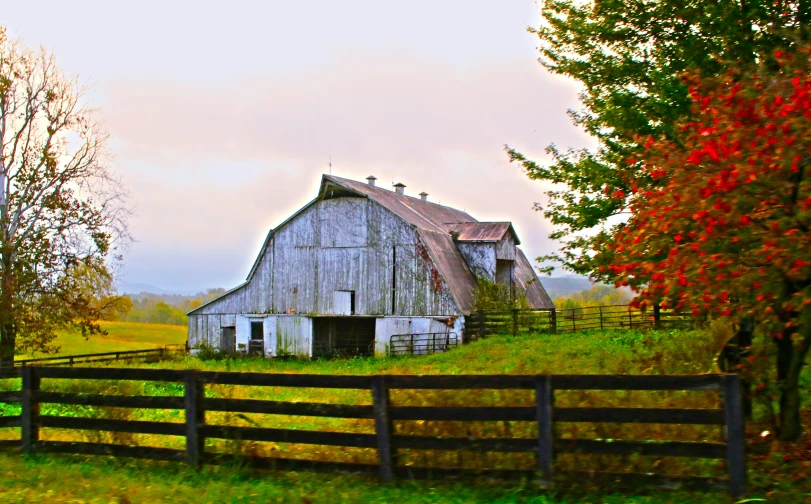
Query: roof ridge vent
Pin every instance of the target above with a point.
(399, 188)
(371, 180)
(424, 196)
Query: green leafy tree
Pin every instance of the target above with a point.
(727, 232)
(492, 296)
(60, 207)
(161, 313)
(628, 55)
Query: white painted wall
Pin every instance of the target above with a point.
(269, 335)
(385, 327)
(294, 335)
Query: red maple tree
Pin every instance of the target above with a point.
(725, 229)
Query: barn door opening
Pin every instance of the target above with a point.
(257, 343)
(228, 339)
(343, 336)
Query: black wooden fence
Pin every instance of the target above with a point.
(385, 439)
(528, 321)
(70, 360)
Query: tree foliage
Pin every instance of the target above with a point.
(628, 56)
(721, 211)
(61, 211)
(152, 308)
(493, 296)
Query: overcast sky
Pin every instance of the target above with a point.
(224, 115)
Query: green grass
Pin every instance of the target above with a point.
(76, 480)
(121, 336)
(629, 352)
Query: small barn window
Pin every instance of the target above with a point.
(343, 302)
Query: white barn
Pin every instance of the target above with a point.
(357, 265)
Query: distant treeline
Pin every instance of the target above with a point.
(152, 308)
(158, 308)
(598, 295)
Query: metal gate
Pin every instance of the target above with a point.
(422, 343)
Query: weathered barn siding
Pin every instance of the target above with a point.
(294, 336)
(481, 258)
(505, 248)
(205, 329)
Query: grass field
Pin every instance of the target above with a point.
(121, 336)
(778, 472)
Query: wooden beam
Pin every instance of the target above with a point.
(383, 428)
(29, 418)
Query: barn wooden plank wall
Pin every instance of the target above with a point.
(384, 413)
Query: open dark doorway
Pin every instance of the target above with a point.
(257, 344)
(343, 336)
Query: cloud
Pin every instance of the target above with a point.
(361, 109)
(225, 163)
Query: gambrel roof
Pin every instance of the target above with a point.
(422, 214)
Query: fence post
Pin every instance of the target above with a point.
(657, 316)
(195, 416)
(601, 317)
(553, 320)
(481, 324)
(515, 321)
(543, 402)
(29, 418)
(383, 428)
(630, 319)
(733, 413)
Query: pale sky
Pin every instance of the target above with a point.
(224, 115)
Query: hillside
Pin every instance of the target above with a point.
(120, 336)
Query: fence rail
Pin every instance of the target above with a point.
(70, 360)
(421, 343)
(385, 439)
(527, 321)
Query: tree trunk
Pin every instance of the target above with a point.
(790, 420)
(790, 361)
(8, 341)
(8, 326)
